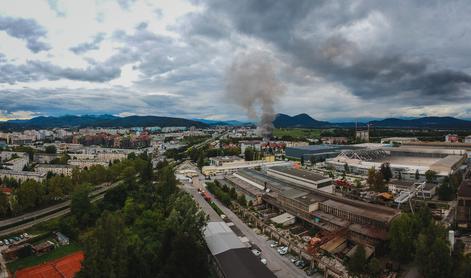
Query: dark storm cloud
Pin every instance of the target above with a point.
(91, 45)
(307, 32)
(25, 29)
(37, 70)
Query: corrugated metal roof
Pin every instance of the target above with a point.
(220, 238)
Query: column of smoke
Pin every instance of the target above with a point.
(252, 84)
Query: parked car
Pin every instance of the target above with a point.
(22, 236)
(283, 250)
(256, 252)
(274, 244)
(1, 243)
(301, 264)
(17, 238)
(6, 241)
(264, 261)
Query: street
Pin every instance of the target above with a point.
(279, 265)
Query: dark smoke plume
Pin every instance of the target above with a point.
(252, 84)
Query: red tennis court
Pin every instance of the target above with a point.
(66, 266)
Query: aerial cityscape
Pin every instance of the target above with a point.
(228, 139)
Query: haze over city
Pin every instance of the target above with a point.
(334, 60)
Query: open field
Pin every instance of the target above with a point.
(297, 132)
(35, 260)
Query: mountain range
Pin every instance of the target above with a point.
(281, 121)
(99, 121)
(306, 121)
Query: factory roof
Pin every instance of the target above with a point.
(364, 211)
(300, 173)
(282, 218)
(446, 164)
(221, 238)
(302, 196)
(241, 262)
(233, 258)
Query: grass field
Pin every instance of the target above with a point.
(297, 132)
(35, 260)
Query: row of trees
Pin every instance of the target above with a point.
(417, 238)
(226, 194)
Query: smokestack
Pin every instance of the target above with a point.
(251, 83)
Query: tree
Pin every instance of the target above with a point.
(417, 175)
(242, 200)
(430, 176)
(81, 207)
(433, 254)
(402, 238)
(30, 194)
(371, 177)
(346, 168)
(167, 184)
(356, 266)
(374, 268)
(106, 252)
(445, 192)
(249, 154)
(51, 149)
(4, 205)
(201, 162)
(386, 171)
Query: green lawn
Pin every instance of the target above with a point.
(297, 132)
(35, 260)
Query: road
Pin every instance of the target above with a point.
(279, 265)
(22, 227)
(58, 207)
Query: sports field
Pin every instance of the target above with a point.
(66, 266)
(57, 253)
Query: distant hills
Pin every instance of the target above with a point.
(99, 121)
(226, 123)
(281, 121)
(299, 121)
(306, 121)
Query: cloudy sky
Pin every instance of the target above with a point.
(335, 59)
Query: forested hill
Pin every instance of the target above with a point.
(98, 121)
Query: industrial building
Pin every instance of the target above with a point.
(363, 222)
(405, 161)
(318, 152)
(231, 258)
(303, 178)
(236, 165)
